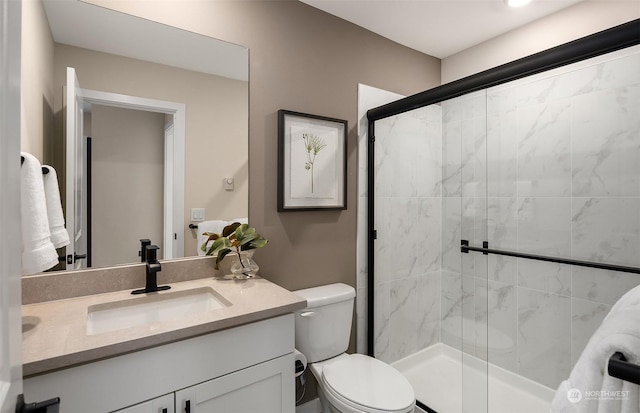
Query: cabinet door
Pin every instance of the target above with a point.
(265, 388)
(162, 404)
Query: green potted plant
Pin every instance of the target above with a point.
(237, 238)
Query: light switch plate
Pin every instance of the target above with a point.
(197, 214)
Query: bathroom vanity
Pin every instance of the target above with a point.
(221, 345)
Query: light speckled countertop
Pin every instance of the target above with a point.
(54, 332)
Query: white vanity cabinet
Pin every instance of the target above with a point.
(256, 389)
(163, 404)
(249, 368)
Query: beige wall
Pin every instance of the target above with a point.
(581, 20)
(216, 123)
(127, 170)
(37, 81)
(304, 60)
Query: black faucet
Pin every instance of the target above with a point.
(153, 268)
(143, 249)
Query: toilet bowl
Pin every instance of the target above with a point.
(347, 383)
(358, 383)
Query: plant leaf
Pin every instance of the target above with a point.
(229, 229)
(218, 245)
(211, 235)
(235, 237)
(259, 243)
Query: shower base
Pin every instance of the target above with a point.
(437, 375)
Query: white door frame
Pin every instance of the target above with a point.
(74, 168)
(10, 215)
(174, 149)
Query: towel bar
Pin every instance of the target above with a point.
(621, 369)
(465, 248)
(618, 366)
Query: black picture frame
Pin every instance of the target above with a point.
(312, 162)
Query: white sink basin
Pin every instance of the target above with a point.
(152, 308)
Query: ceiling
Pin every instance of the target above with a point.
(85, 25)
(439, 28)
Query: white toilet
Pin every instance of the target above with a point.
(347, 383)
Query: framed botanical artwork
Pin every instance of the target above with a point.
(312, 162)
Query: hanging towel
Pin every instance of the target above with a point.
(589, 388)
(215, 226)
(59, 235)
(38, 252)
(630, 299)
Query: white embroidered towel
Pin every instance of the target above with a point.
(38, 253)
(589, 388)
(59, 234)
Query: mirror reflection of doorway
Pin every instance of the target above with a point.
(121, 133)
(126, 182)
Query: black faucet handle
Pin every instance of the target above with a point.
(151, 252)
(143, 249)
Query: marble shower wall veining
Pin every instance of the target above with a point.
(562, 160)
(408, 177)
(368, 97)
(547, 165)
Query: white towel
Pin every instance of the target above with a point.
(589, 386)
(629, 299)
(38, 253)
(215, 226)
(59, 235)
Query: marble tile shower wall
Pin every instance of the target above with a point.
(562, 176)
(464, 209)
(408, 180)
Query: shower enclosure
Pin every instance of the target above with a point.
(504, 222)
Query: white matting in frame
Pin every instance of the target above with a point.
(311, 162)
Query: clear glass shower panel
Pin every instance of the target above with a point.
(547, 165)
(464, 276)
(563, 153)
(408, 220)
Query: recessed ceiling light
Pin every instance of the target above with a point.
(517, 3)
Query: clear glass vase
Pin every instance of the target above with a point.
(243, 267)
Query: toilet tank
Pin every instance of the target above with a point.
(324, 327)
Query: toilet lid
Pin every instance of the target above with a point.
(368, 382)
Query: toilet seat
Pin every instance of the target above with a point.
(367, 384)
